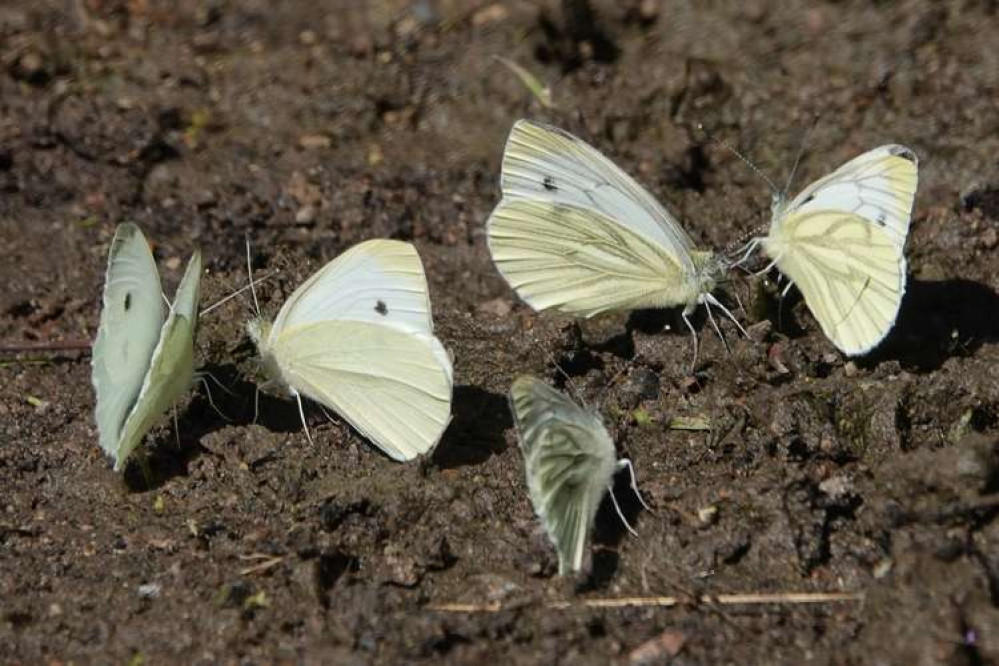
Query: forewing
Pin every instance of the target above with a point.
(131, 319)
(569, 460)
(879, 186)
(391, 384)
(850, 272)
(578, 261)
(171, 370)
(545, 163)
(377, 281)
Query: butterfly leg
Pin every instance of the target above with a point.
(749, 247)
(610, 490)
(710, 299)
(208, 392)
(621, 464)
(714, 324)
(780, 303)
(686, 320)
(176, 427)
(301, 413)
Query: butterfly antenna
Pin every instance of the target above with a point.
(625, 462)
(610, 384)
(620, 514)
(797, 158)
(568, 380)
(236, 293)
(249, 272)
(745, 160)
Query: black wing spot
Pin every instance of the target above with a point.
(882, 218)
(549, 184)
(381, 308)
(128, 301)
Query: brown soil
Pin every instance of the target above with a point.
(311, 126)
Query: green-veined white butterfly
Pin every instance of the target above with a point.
(358, 337)
(576, 234)
(570, 462)
(143, 358)
(842, 240)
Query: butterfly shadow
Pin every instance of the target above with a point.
(609, 532)
(476, 432)
(233, 404)
(938, 320)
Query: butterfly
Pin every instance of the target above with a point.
(358, 337)
(841, 241)
(574, 233)
(570, 463)
(143, 357)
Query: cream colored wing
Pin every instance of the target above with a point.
(392, 384)
(851, 273)
(544, 163)
(879, 186)
(171, 369)
(379, 281)
(580, 262)
(569, 459)
(131, 319)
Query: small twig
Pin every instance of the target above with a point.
(262, 566)
(17, 346)
(751, 599)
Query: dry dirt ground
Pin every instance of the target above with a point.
(312, 126)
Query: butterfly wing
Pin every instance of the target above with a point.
(579, 261)
(545, 163)
(841, 241)
(391, 383)
(131, 319)
(850, 272)
(171, 369)
(569, 460)
(879, 186)
(380, 281)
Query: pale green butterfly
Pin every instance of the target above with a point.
(576, 234)
(358, 337)
(842, 240)
(570, 463)
(143, 357)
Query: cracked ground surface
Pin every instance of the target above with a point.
(778, 467)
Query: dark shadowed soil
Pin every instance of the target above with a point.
(312, 126)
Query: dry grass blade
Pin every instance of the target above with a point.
(750, 599)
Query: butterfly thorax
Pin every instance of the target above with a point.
(709, 269)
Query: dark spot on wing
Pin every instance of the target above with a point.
(381, 308)
(904, 153)
(128, 301)
(882, 218)
(810, 197)
(549, 184)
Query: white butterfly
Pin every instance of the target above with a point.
(570, 463)
(358, 337)
(576, 234)
(841, 241)
(143, 358)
